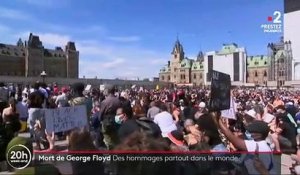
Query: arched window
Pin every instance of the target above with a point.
(256, 74)
(162, 78)
(265, 73)
(200, 76)
(169, 78)
(195, 76)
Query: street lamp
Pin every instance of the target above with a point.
(43, 75)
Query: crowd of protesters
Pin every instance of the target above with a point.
(178, 120)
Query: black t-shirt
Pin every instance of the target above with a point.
(132, 125)
(289, 131)
(127, 128)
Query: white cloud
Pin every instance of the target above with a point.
(124, 38)
(75, 30)
(13, 14)
(93, 49)
(159, 61)
(46, 3)
(106, 60)
(48, 39)
(53, 39)
(113, 63)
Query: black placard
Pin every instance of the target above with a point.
(220, 91)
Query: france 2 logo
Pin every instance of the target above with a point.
(274, 24)
(276, 18)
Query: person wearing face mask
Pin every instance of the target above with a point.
(259, 131)
(125, 122)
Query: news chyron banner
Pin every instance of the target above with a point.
(141, 162)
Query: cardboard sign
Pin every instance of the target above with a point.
(88, 87)
(230, 113)
(220, 91)
(102, 87)
(141, 89)
(66, 118)
(133, 86)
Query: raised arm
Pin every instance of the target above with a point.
(236, 141)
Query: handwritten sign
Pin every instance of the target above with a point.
(220, 91)
(66, 118)
(230, 113)
(133, 86)
(88, 87)
(102, 87)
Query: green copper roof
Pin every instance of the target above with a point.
(197, 65)
(186, 63)
(165, 69)
(257, 61)
(228, 49)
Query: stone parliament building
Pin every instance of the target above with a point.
(272, 69)
(30, 59)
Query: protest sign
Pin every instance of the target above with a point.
(66, 118)
(141, 89)
(230, 113)
(133, 86)
(88, 87)
(220, 91)
(102, 87)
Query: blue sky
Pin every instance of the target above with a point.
(134, 38)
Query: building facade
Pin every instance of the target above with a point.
(181, 70)
(30, 59)
(291, 33)
(257, 70)
(281, 59)
(273, 69)
(231, 60)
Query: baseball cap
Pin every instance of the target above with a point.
(258, 126)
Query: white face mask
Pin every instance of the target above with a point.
(181, 108)
(118, 119)
(248, 135)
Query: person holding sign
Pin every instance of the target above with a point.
(36, 119)
(259, 131)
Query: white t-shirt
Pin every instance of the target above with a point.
(165, 122)
(61, 100)
(266, 158)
